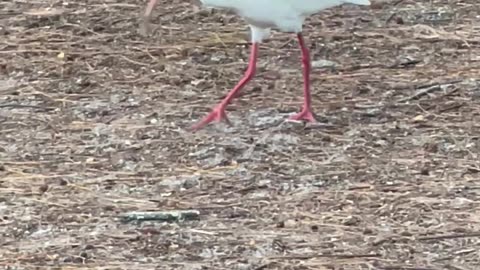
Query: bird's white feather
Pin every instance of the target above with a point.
(286, 15)
(359, 2)
(307, 6)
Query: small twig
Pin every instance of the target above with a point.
(26, 106)
(451, 107)
(396, 3)
(263, 266)
(428, 89)
(455, 267)
(449, 236)
(336, 256)
(170, 216)
(406, 268)
(393, 14)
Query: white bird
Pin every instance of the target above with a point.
(263, 15)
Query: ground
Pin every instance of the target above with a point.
(94, 124)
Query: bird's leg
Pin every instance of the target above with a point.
(150, 6)
(218, 112)
(145, 27)
(306, 112)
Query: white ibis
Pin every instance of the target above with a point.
(262, 15)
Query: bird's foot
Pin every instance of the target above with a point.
(216, 115)
(305, 115)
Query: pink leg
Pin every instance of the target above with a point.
(150, 7)
(306, 112)
(218, 112)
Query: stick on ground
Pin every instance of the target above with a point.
(170, 216)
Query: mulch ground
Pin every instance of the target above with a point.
(93, 119)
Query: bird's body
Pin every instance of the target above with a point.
(285, 15)
(262, 15)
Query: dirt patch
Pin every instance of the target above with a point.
(93, 118)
